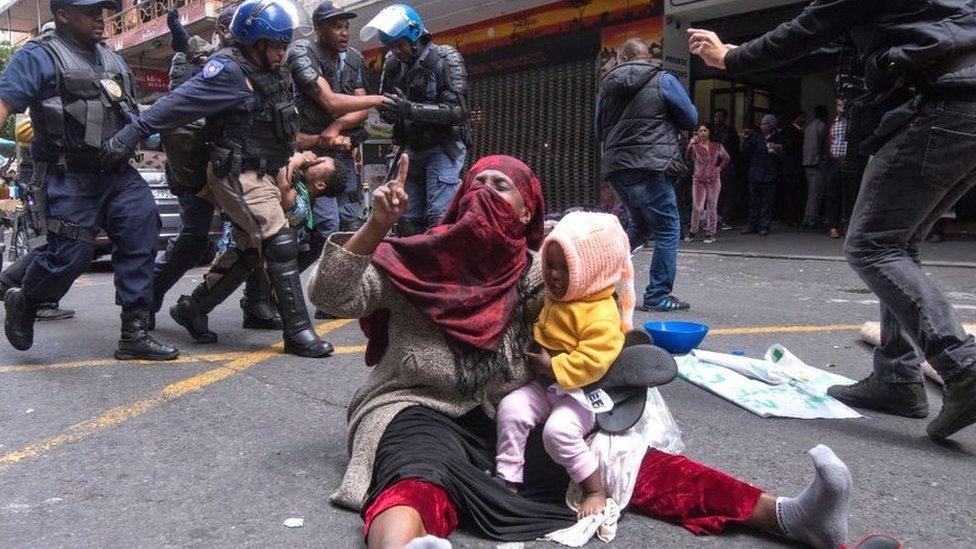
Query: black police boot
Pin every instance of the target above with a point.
(187, 252)
(259, 312)
(19, 323)
(191, 310)
(900, 399)
(281, 252)
(137, 344)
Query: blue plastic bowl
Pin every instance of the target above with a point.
(675, 336)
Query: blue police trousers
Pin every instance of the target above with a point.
(119, 203)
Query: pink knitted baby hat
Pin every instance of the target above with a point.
(598, 255)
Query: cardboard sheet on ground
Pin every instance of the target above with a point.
(804, 396)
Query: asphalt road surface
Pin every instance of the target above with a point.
(221, 447)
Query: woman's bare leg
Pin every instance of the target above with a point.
(763, 517)
(396, 527)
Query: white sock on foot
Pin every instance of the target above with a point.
(818, 516)
(428, 542)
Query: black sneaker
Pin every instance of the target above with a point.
(19, 323)
(900, 399)
(958, 406)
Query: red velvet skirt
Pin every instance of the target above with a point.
(669, 487)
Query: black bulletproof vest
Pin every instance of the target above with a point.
(91, 100)
(269, 138)
(314, 118)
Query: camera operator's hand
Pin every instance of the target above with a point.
(707, 45)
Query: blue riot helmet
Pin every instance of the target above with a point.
(153, 142)
(273, 20)
(394, 23)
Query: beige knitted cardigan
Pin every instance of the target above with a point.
(418, 368)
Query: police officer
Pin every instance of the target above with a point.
(251, 122)
(79, 93)
(331, 123)
(920, 71)
(430, 114)
(186, 173)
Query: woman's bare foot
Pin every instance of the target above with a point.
(592, 504)
(594, 496)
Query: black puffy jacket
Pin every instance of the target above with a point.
(928, 40)
(635, 128)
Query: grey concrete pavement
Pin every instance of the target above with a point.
(220, 450)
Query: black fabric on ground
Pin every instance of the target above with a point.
(459, 456)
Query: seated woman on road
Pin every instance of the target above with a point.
(448, 314)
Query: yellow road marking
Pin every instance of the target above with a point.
(125, 412)
(217, 357)
(785, 329)
(188, 359)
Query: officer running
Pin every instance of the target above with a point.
(186, 173)
(428, 83)
(251, 122)
(330, 96)
(79, 93)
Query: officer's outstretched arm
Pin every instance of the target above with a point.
(338, 103)
(350, 120)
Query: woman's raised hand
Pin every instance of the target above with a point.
(390, 200)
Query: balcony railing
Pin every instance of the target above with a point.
(142, 13)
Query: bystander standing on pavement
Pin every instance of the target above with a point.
(641, 110)
(763, 152)
(921, 72)
(729, 199)
(835, 208)
(790, 194)
(710, 159)
(815, 165)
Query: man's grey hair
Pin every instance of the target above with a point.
(635, 48)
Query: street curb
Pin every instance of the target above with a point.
(831, 258)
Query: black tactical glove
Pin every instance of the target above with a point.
(114, 154)
(399, 109)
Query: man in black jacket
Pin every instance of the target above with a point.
(920, 67)
(640, 112)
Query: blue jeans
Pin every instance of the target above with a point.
(653, 207)
(915, 178)
(431, 184)
(121, 204)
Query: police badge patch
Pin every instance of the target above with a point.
(213, 68)
(112, 88)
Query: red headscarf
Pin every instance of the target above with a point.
(462, 274)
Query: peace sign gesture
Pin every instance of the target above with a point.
(390, 200)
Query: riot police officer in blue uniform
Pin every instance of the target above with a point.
(186, 173)
(251, 122)
(80, 93)
(430, 114)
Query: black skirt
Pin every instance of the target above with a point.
(459, 456)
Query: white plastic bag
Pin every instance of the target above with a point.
(766, 370)
(620, 455)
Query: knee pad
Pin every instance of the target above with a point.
(283, 246)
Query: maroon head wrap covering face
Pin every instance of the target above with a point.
(463, 274)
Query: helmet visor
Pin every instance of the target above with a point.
(392, 21)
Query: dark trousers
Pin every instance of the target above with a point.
(121, 204)
(843, 182)
(909, 184)
(762, 195)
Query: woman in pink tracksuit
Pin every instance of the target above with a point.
(709, 158)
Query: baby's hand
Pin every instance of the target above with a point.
(539, 362)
